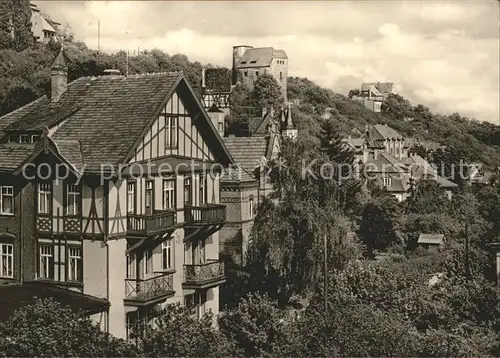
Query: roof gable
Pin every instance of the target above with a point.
(108, 115)
(260, 57)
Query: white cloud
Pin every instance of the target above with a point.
(441, 54)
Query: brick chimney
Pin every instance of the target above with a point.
(59, 76)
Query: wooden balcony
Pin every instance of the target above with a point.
(204, 275)
(145, 291)
(147, 225)
(209, 214)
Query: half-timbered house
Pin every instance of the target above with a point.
(120, 179)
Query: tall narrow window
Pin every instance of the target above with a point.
(72, 199)
(387, 181)
(7, 260)
(131, 265)
(168, 194)
(44, 198)
(24, 138)
(148, 197)
(46, 262)
(281, 75)
(131, 197)
(147, 263)
(250, 206)
(203, 189)
(171, 132)
(7, 200)
(187, 192)
(75, 269)
(166, 255)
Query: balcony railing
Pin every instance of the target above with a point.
(206, 214)
(149, 288)
(212, 270)
(151, 224)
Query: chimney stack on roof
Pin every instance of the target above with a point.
(59, 76)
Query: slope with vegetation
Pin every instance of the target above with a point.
(316, 233)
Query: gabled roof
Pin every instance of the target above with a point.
(248, 152)
(108, 115)
(380, 131)
(237, 175)
(419, 168)
(259, 125)
(383, 87)
(12, 155)
(432, 239)
(260, 57)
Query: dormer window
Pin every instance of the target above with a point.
(35, 138)
(254, 61)
(243, 62)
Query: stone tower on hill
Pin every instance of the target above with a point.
(250, 62)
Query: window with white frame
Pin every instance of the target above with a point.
(24, 138)
(167, 255)
(171, 132)
(131, 266)
(75, 269)
(7, 200)
(131, 197)
(387, 181)
(148, 197)
(46, 269)
(168, 194)
(7, 260)
(72, 199)
(250, 201)
(44, 198)
(203, 189)
(147, 263)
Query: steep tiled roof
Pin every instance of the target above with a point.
(70, 150)
(237, 175)
(383, 87)
(422, 169)
(262, 56)
(380, 131)
(247, 151)
(107, 115)
(12, 155)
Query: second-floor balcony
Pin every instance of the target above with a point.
(143, 291)
(147, 225)
(208, 274)
(208, 214)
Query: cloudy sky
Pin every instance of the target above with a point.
(442, 54)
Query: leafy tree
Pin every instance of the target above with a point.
(427, 197)
(354, 92)
(15, 25)
(47, 329)
(259, 328)
(450, 163)
(378, 227)
(267, 93)
(176, 333)
(397, 107)
(319, 97)
(419, 150)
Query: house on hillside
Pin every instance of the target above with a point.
(43, 29)
(431, 242)
(381, 154)
(250, 62)
(372, 95)
(110, 187)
